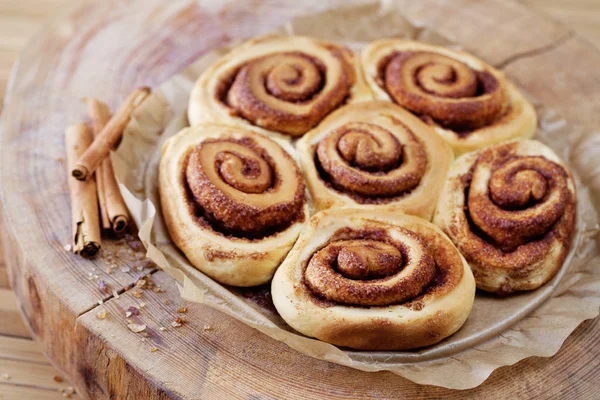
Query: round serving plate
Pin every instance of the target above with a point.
(108, 48)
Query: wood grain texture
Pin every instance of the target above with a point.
(19, 20)
(16, 392)
(212, 356)
(26, 373)
(11, 323)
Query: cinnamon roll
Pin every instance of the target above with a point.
(373, 279)
(469, 103)
(510, 210)
(233, 200)
(284, 84)
(375, 153)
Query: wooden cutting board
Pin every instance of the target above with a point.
(211, 355)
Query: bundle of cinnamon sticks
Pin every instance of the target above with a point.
(96, 202)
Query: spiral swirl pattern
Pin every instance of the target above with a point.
(447, 90)
(233, 201)
(241, 188)
(371, 272)
(518, 202)
(469, 103)
(369, 160)
(280, 84)
(373, 279)
(374, 153)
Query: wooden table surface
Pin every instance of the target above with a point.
(24, 372)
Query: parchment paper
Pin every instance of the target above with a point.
(499, 331)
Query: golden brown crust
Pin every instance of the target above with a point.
(373, 279)
(510, 209)
(229, 196)
(283, 84)
(374, 153)
(468, 102)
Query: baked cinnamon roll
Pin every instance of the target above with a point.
(510, 209)
(234, 201)
(283, 84)
(373, 279)
(469, 103)
(375, 153)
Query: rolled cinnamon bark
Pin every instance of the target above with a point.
(84, 201)
(99, 115)
(109, 136)
(112, 206)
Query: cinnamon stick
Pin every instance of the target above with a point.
(99, 115)
(108, 136)
(84, 201)
(112, 206)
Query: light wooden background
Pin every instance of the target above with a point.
(24, 372)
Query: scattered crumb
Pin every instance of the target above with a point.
(182, 310)
(178, 322)
(162, 328)
(126, 269)
(207, 328)
(115, 294)
(166, 302)
(153, 349)
(132, 311)
(143, 339)
(141, 283)
(57, 378)
(68, 392)
(137, 294)
(60, 159)
(158, 289)
(5, 376)
(68, 247)
(103, 286)
(100, 302)
(102, 314)
(137, 328)
(142, 304)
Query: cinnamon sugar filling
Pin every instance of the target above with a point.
(238, 189)
(370, 267)
(443, 90)
(288, 92)
(370, 164)
(516, 207)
